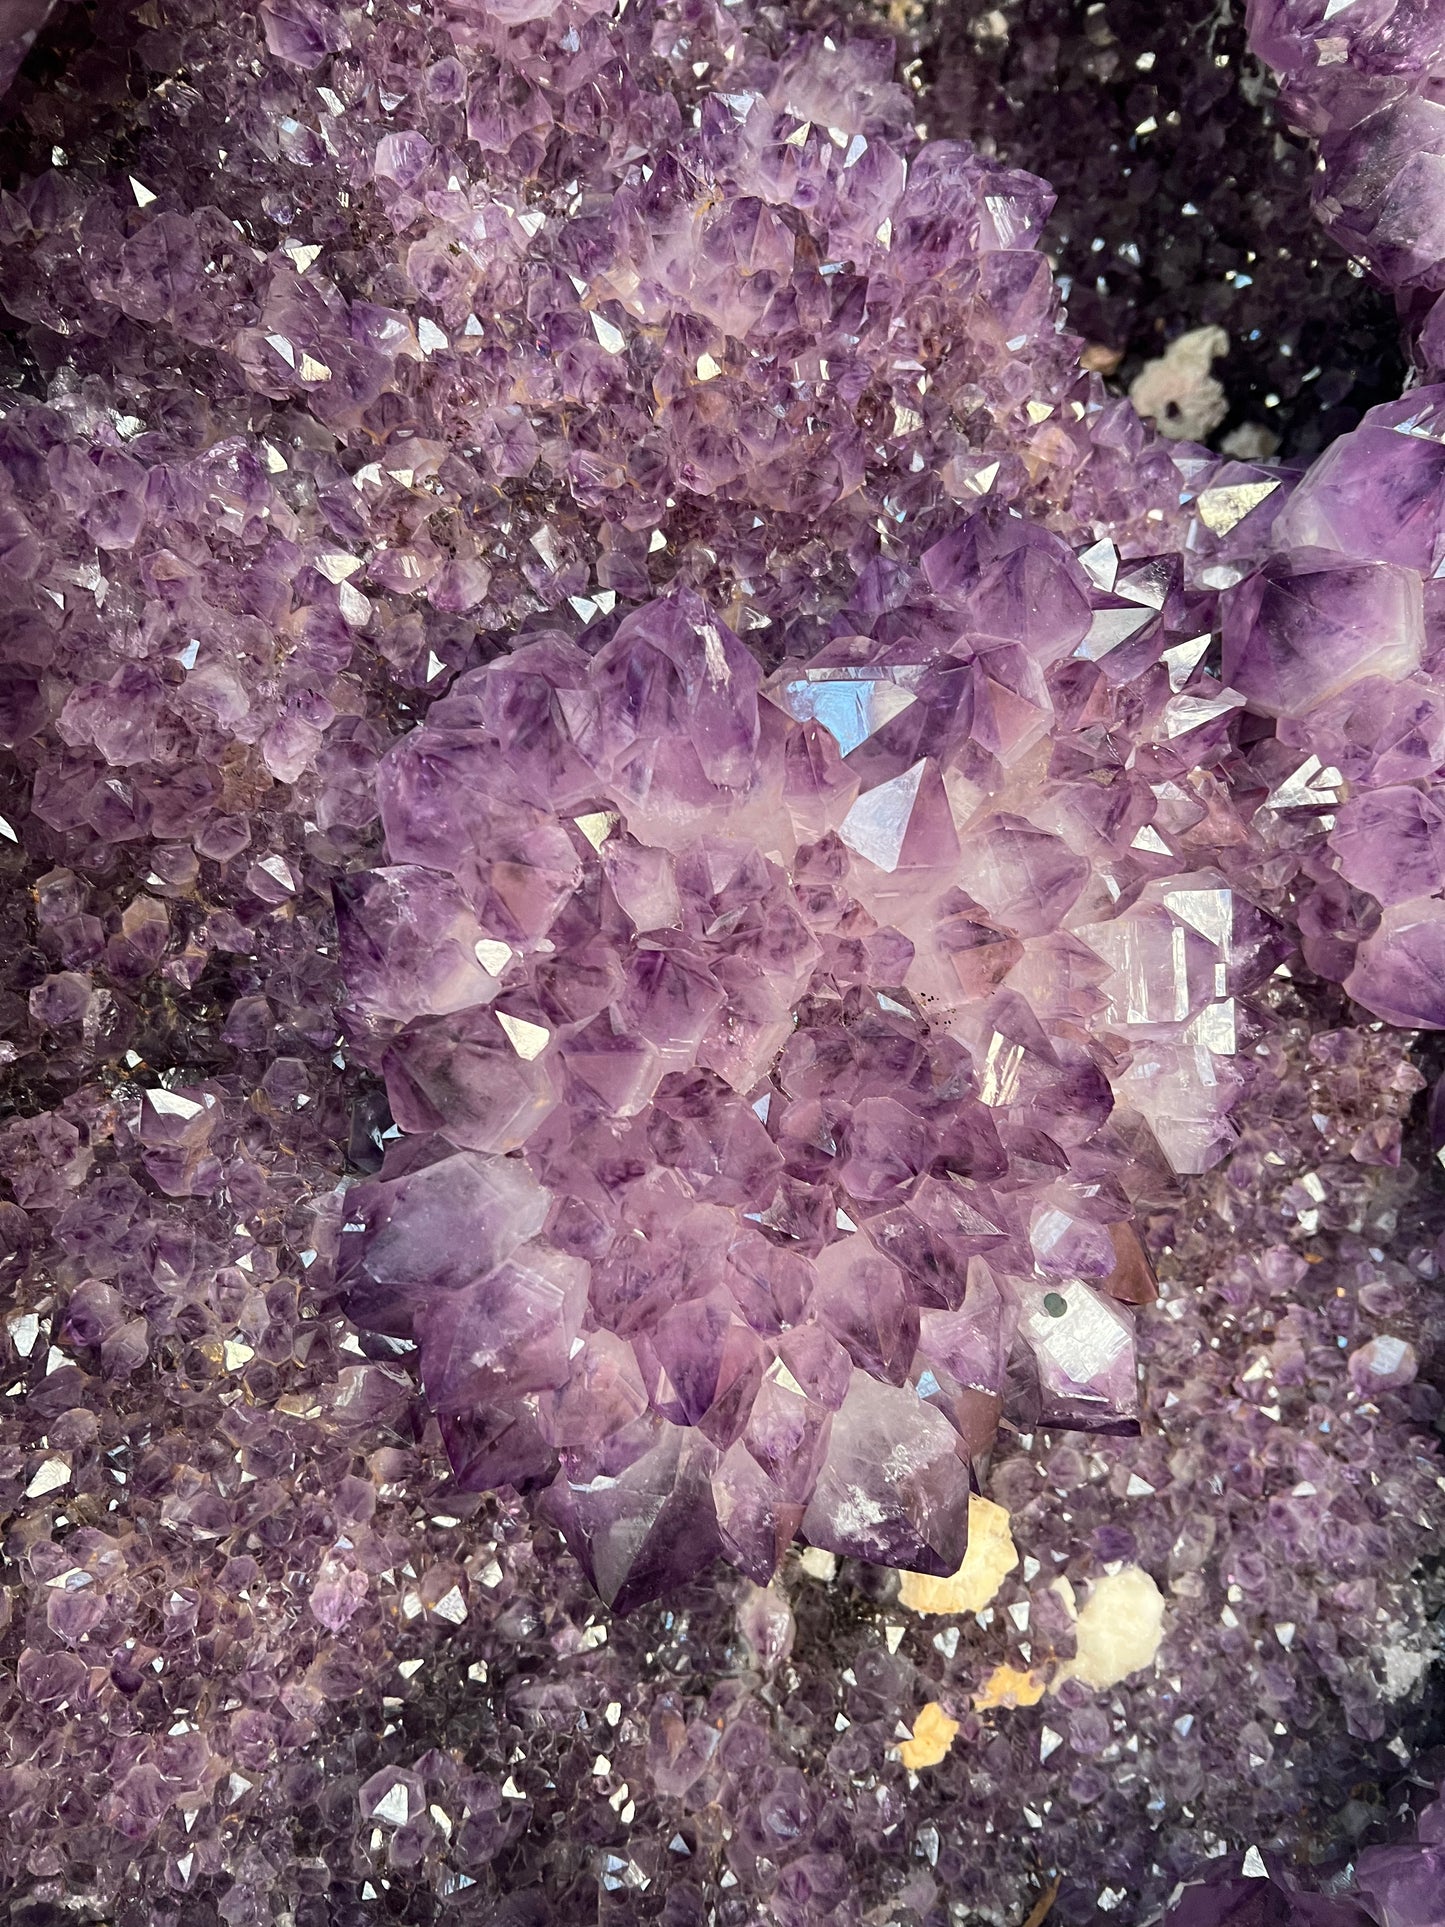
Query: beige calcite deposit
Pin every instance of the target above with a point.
(933, 1735)
(1009, 1686)
(1177, 392)
(1118, 1631)
(818, 1564)
(991, 1556)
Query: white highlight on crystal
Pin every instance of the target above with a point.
(596, 826)
(611, 338)
(527, 1040)
(52, 1474)
(492, 955)
(394, 1807)
(877, 824)
(172, 1104)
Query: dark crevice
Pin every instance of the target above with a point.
(1063, 88)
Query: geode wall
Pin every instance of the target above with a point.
(656, 857)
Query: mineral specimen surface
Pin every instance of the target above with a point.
(779, 1121)
(653, 857)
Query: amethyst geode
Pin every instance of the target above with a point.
(565, 562)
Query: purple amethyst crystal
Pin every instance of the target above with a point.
(1309, 625)
(20, 22)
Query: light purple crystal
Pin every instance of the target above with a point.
(707, 1039)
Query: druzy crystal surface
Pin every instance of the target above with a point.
(760, 1064)
(654, 854)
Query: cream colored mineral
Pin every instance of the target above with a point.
(1177, 392)
(1118, 1631)
(1009, 1686)
(991, 1556)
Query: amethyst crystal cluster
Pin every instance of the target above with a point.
(803, 1201)
(1183, 205)
(807, 998)
(649, 846)
(20, 22)
(840, 1016)
(1362, 80)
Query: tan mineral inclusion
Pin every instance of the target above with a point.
(991, 1556)
(1007, 1686)
(933, 1735)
